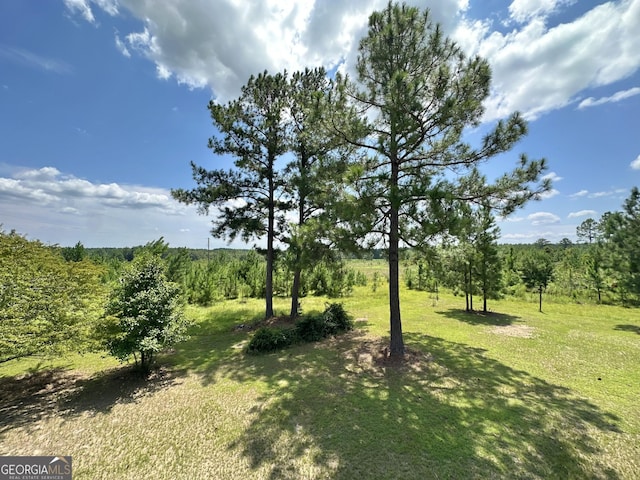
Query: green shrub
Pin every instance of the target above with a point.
(311, 328)
(268, 339)
(336, 319)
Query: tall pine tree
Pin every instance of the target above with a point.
(419, 92)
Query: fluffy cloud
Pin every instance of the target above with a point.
(528, 237)
(523, 10)
(553, 176)
(607, 193)
(636, 163)
(83, 8)
(48, 185)
(536, 67)
(543, 218)
(58, 208)
(550, 194)
(583, 213)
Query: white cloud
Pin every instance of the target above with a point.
(82, 7)
(122, 47)
(579, 194)
(616, 97)
(583, 213)
(553, 176)
(543, 218)
(607, 193)
(523, 10)
(536, 68)
(49, 185)
(527, 237)
(636, 163)
(547, 195)
(57, 208)
(219, 44)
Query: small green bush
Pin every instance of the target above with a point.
(268, 339)
(336, 319)
(311, 328)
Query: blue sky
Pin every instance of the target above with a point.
(103, 102)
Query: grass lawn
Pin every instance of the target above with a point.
(512, 394)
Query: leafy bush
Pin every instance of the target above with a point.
(144, 312)
(311, 328)
(268, 339)
(336, 319)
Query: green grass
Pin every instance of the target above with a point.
(512, 394)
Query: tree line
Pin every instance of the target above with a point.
(56, 299)
(602, 267)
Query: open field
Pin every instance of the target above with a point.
(513, 394)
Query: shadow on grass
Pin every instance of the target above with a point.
(26, 399)
(55, 392)
(454, 413)
(628, 328)
(479, 318)
(337, 410)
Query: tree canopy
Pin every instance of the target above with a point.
(47, 305)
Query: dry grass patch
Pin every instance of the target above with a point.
(522, 331)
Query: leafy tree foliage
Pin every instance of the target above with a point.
(145, 312)
(622, 232)
(420, 92)
(47, 305)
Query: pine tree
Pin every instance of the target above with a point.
(418, 93)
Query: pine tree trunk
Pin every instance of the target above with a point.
(295, 288)
(270, 235)
(397, 343)
(470, 288)
(466, 289)
(295, 291)
(484, 291)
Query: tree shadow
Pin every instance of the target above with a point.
(479, 318)
(628, 328)
(450, 412)
(59, 392)
(340, 409)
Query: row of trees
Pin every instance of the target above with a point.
(378, 160)
(604, 264)
(53, 299)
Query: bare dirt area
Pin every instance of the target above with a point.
(372, 354)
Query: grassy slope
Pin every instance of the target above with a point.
(472, 403)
